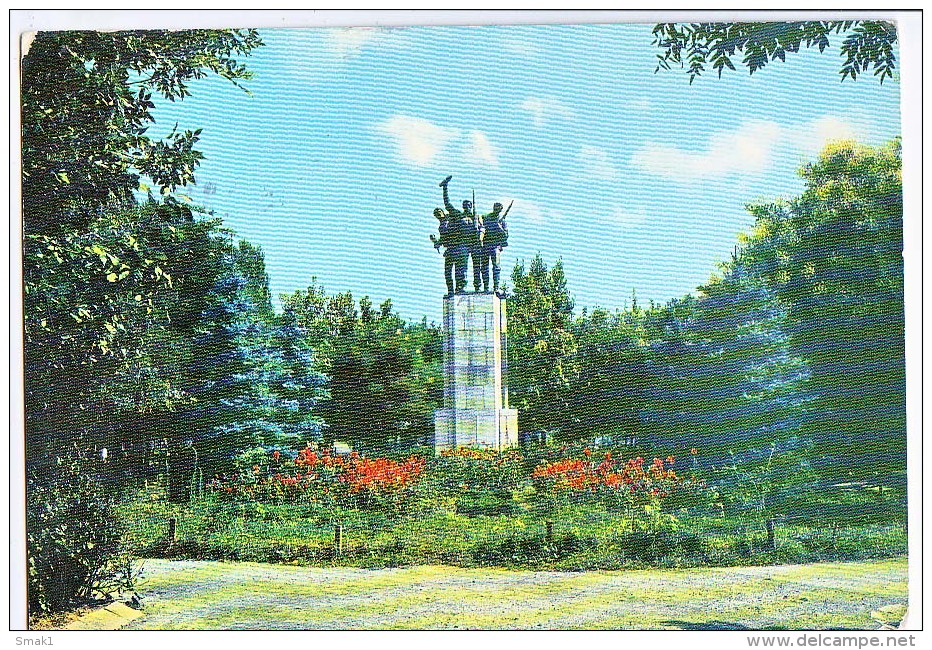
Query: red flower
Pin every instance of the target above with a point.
(587, 451)
(377, 474)
(276, 454)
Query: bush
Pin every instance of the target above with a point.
(72, 534)
(653, 547)
(489, 503)
(530, 550)
(471, 482)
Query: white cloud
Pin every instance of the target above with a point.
(816, 134)
(545, 109)
(524, 210)
(422, 142)
(745, 150)
(347, 42)
(749, 149)
(481, 149)
(596, 163)
(417, 140)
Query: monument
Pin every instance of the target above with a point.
(475, 409)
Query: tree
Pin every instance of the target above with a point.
(541, 346)
(384, 374)
(724, 378)
(97, 305)
(384, 389)
(174, 326)
(611, 394)
(109, 285)
(251, 262)
(835, 259)
(296, 382)
(86, 107)
(868, 45)
(251, 377)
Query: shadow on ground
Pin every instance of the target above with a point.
(705, 625)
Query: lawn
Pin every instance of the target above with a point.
(230, 595)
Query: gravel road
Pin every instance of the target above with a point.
(220, 595)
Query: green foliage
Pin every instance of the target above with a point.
(86, 106)
(114, 290)
(868, 45)
(800, 337)
(474, 507)
(723, 375)
(612, 390)
(259, 377)
(541, 346)
(99, 302)
(652, 547)
(250, 261)
(72, 535)
(384, 374)
(148, 333)
(531, 550)
(834, 258)
(586, 537)
(473, 482)
(768, 482)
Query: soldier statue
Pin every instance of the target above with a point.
(464, 234)
(494, 239)
(457, 251)
(451, 211)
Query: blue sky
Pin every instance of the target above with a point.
(637, 180)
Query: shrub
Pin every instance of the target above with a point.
(475, 482)
(72, 534)
(323, 478)
(652, 547)
(530, 550)
(637, 489)
(488, 503)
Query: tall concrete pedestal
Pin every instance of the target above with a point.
(475, 389)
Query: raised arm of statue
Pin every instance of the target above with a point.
(453, 212)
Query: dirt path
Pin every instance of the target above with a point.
(216, 595)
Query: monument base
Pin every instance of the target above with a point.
(476, 412)
(483, 428)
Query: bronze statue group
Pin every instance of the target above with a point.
(464, 234)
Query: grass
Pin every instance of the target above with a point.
(212, 595)
(585, 538)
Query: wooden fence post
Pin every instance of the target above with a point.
(771, 535)
(549, 534)
(338, 540)
(172, 530)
